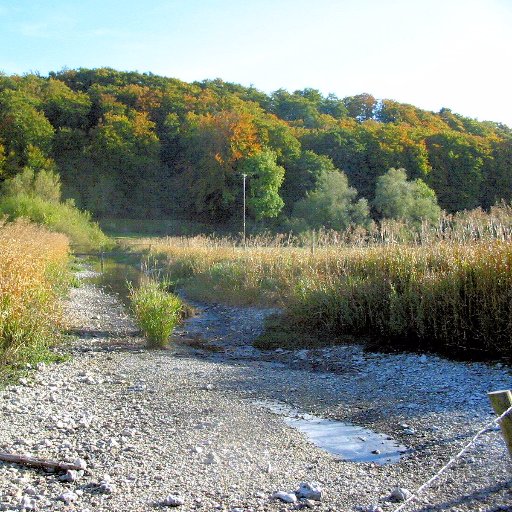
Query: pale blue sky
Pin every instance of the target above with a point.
(432, 53)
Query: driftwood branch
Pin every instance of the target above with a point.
(38, 463)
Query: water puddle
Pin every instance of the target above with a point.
(113, 277)
(349, 442)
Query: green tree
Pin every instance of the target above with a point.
(212, 149)
(361, 107)
(458, 161)
(265, 179)
(299, 106)
(64, 107)
(332, 204)
(22, 125)
(302, 175)
(398, 198)
(498, 173)
(127, 150)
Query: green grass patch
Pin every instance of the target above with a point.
(156, 311)
(152, 227)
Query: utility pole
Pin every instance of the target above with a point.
(245, 176)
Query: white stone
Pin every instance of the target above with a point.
(106, 487)
(212, 458)
(310, 490)
(27, 503)
(68, 497)
(287, 497)
(70, 476)
(302, 354)
(400, 494)
(173, 500)
(373, 508)
(80, 463)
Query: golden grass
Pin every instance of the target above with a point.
(32, 267)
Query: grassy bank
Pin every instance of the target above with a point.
(443, 296)
(33, 275)
(64, 217)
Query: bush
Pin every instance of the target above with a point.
(447, 298)
(156, 311)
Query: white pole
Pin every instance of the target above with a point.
(245, 176)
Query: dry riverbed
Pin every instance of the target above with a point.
(189, 422)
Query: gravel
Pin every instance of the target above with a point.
(180, 427)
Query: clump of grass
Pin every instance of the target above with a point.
(156, 311)
(33, 276)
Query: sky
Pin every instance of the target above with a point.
(432, 53)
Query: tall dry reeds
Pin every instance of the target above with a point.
(32, 273)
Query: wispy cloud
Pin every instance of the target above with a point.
(53, 26)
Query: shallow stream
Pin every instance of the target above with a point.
(114, 276)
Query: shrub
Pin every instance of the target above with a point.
(156, 311)
(332, 205)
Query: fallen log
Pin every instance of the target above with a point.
(41, 463)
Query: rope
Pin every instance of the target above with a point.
(452, 461)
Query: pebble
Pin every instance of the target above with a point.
(68, 497)
(71, 475)
(212, 458)
(81, 463)
(27, 503)
(151, 426)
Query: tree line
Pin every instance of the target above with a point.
(138, 145)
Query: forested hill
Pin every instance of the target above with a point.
(139, 145)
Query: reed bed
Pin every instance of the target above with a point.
(33, 273)
(444, 295)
